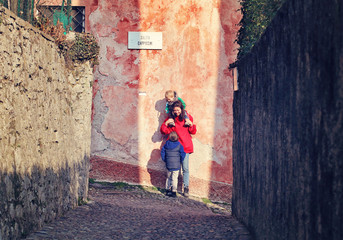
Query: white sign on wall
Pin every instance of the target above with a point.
(145, 40)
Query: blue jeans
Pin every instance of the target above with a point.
(185, 171)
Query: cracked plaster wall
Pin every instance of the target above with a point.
(198, 46)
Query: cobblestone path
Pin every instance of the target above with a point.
(132, 212)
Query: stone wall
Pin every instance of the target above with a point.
(45, 111)
(288, 126)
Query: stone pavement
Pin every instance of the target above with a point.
(134, 212)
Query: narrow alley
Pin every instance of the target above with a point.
(131, 212)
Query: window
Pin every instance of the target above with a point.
(77, 14)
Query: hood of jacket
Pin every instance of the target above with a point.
(171, 145)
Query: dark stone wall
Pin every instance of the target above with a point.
(37, 197)
(288, 126)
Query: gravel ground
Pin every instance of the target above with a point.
(119, 211)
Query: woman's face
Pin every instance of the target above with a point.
(177, 111)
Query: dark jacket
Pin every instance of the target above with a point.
(173, 154)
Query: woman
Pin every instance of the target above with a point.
(184, 132)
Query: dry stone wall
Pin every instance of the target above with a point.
(288, 126)
(45, 120)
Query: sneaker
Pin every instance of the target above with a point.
(186, 192)
(168, 192)
(173, 194)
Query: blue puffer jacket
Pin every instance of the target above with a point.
(173, 154)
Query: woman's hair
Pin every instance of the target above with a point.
(180, 105)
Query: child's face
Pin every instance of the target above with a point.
(169, 99)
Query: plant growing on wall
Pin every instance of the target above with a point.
(257, 14)
(83, 48)
(55, 31)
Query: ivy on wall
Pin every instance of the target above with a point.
(257, 14)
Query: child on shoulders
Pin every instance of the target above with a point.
(171, 97)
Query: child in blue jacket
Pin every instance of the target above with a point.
(172, 154)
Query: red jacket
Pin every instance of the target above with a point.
(183, 132)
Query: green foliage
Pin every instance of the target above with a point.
(18, 8)
(120, 185)
(153, 188)
(84, 47)
(70, 18)
(26, 10)
(23, 8)
(206, 200)
(32, 10)
(257, 14)
(4, 3)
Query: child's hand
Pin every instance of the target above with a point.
(188, 122)
(170, 121)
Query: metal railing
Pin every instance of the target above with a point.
(77, 16)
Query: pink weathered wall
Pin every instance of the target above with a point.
(198, 45)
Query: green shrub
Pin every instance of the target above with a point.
(83, 48)
(257, 14)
